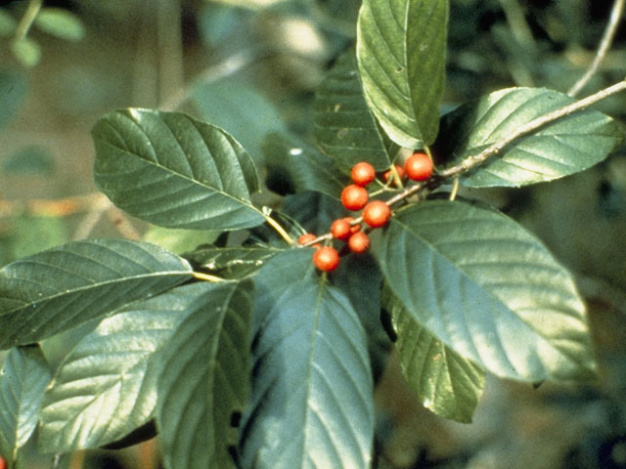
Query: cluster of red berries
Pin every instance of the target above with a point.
(376, 213)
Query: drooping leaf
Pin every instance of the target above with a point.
(27, 51)
(64, 287)
(444, 381)
(401, 56)
(344, 126)
(311, 403)
(296, 167)
(174, 171)
(565, 147)
(23, 378)
(103, 390)
(60, 23)
(231, 262)
(487, 289)
(204, 379)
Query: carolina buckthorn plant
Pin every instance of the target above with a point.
(254, 350)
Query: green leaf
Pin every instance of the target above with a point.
(23, 379)
(64, 287)
(178, 240)
(238, 108)
(311, 403)
(7, 24)
(103, 390)
(174, 171)
(565, 147)
(294, 166)
(231, 262)
(344, 126)
(204, 378)
(444, 381)
(401, 55)
(60, 23)
(489, 290)
(27, 51)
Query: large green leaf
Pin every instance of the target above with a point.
(103, 391)
(174, 171)
(23, 379)
(344, 126)
(204, 379)
(487, 289)
(64, 287)
(444, 382)
(295, 167)
(401, 55)
(564, 147)
(311, 403)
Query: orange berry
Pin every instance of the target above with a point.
(326, 259)
(419, 166)
(306, 238)
(376, 213)
(341, 229)
(363, 173)
(353, 228)
(354, 197)
(359, 242)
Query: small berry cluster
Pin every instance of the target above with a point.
(376, 213)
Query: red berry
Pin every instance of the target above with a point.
(3, 463)
(376, 213)
(389, 175)
(326, 259)
(354, 197)
(363, 173)
(419, 166)
(307, 238)
(359, 242)
(341, 229)
(353, 228)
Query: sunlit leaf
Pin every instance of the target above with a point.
(311, 403)
(60, 23)
(64, 287)
(103, 390)
(401, 55)
(487, 289)
(204, 379)
(231, 262)
(174, 171)
(23, 379)
(443, 381)
(565, 147)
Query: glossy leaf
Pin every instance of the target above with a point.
(296, 167)
(174, 171)
(103, 390)
(64, 287)
(565, 147)
(489, 290)
(231, 262)
(311, 403)
(401, 55)
(344, 126)
(23, 379)
(444, 381)
(204, 379)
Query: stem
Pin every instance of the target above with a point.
(207, 277)
(279, 229)
(532, 126)
(605, 45)
(28, 19)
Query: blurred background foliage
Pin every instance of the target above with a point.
(252, 67)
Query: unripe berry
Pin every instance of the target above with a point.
(326, 259)
(363, 173)
(341, 229)
(359, 242)
(376, 213)
(419, 166)
(354, 197)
